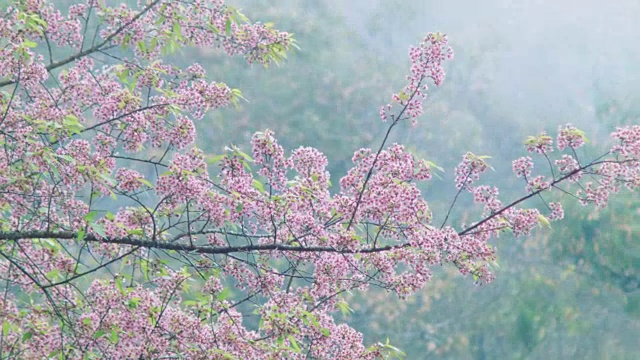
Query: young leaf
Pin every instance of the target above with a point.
(98, 334)
(26, 336)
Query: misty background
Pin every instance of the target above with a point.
(520, 67)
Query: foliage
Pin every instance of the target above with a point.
(119, 238)
(325, 86)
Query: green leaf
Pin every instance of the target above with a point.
(98, 334)
(162, 18)
(176, 30)
(235, 95)
(136, 232)
(237, 151)
(224, 294)
(227, 27)
(55, 353)
(240, 17)
(53, 274)
(108, 179)
(394, 351)
(122, 73)
(133, 303)
(114, 336)
(119, 284)
(66, 157)
(21, 54)
(145, 182)
(142, 46)
(72, 125)
(99, 229)
(191, 303)
(126, 40)
(215, 159)
(154, 43)
(544, 221)
(313, 319)
(90, 216)
(29, 43)
(51, 245)
(258, 185)
(26, 336)
(344, 307)
(294, 343)
(6, 327)
(432, 165)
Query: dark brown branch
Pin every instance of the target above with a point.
(200, 249)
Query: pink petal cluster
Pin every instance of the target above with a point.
(541, 144)
(426, 63)
(522, 166)
(469, 170)
(570, 136)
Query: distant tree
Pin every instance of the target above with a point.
(121, 239)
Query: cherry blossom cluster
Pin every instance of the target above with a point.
(390, 177)
(128, 179)
(168, 24)
(469, 170)
(522, 166)
(186, 178)
(607, 176)
(568, 164)
(541, 144)
(426, 63)
(269, 155)
(487, 195)
(629, 142)
(538, 183)
(570, 136)
(557, 212)
(155, 326)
